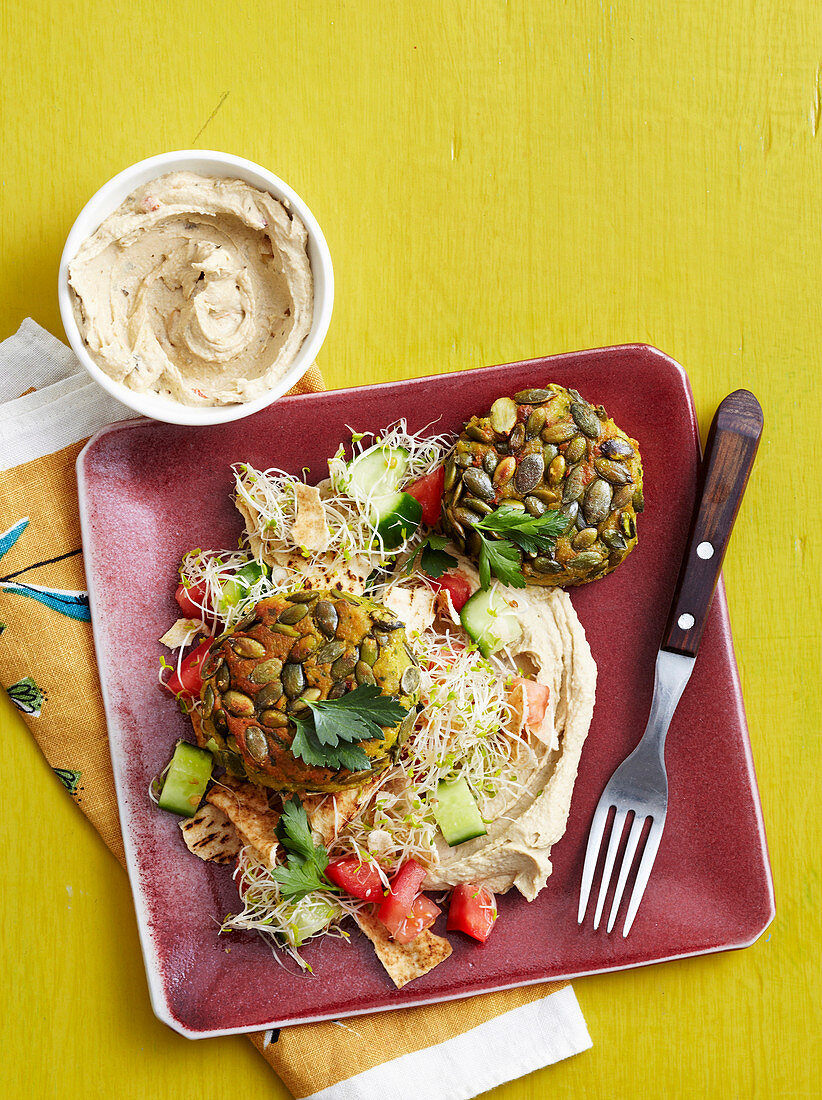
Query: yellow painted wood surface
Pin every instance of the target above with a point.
(496, 180)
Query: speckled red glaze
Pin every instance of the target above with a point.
(151, 491)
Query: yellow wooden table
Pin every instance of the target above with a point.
(496, 180)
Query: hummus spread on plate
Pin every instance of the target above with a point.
(196, 288)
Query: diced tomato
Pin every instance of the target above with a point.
(428, 491)
(189, 681)
(473, 910)
(192, 600)
(422, 915)
(357, 877)
(398, 902)
(457, 586)
(536, 696)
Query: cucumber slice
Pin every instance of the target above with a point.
(457, 814)
(377, 473)
(490, 620)
(186, 780)
(400, 517)
(235, 589)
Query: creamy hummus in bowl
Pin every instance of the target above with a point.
(196, 287)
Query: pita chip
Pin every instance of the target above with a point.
(404, 961)
(210, 835)
(413, 606)
(309, 529)
(329, 814)
(246, 806)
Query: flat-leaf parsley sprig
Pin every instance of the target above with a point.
(304, 869)
(516, 531)
(327, 736)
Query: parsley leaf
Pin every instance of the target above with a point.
(327, 738)
(303, 871)
(432, 558)
(516, 531)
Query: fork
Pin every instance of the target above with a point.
(639, 786)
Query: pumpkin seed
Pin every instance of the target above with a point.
(505, 471)
(208, 700)
(478, 483)
(575, 451)
(622, 498)
(639, 500)
(247, 622)
(549, 453)
(269, 694)
(326, 617)
(556, 471)
(220, 720)
(410, 681)
(585, 419)
(511, 505)
(626, 522)
(532, 396)
(558, 433)
(266, 671)
(256, 743)
(463, 460)
(302, 597)
(312, 695)
(238, 703)
(274, 719)
(293, 614)
(329, 652)
(284, 628)
(338, 690)
(388, 624)
(613, 540)
(222, 678)
(597, 503)
(543, 564)
(479, 506)
(534, 506)
(293, 679)
(345, 665)
(463, 517)
(503, 415)
(364, 673)
(450, 475)
(574, 485)
(584, 539)
(211, 665)
(369, 651)
(297, 706)
(489, 462)
(479, 433)
(586, 560)
(535, 423)
(529, 473)
(517, 437)
(247, 647)
(612, 471)
(303, 648)
(616, 448)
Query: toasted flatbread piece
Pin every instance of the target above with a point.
(413, 606)
(210, 835)
(246, 806)
(329, 814)
(309, 528)
(404, 961)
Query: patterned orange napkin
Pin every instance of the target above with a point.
(453, 1050)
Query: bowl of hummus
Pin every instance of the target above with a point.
(196, 287)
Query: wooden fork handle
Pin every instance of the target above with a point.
(729, 455)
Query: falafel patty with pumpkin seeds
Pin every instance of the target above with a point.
(548, 449)
(306, 646)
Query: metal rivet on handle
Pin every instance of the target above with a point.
(705, 551)
(685, 622)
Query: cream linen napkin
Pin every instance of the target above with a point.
(442, 1052)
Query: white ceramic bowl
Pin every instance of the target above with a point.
(206, 163)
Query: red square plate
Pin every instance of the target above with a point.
(151, 491)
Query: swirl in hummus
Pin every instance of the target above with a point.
(196, 288)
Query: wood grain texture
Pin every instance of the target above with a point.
(496, 181)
